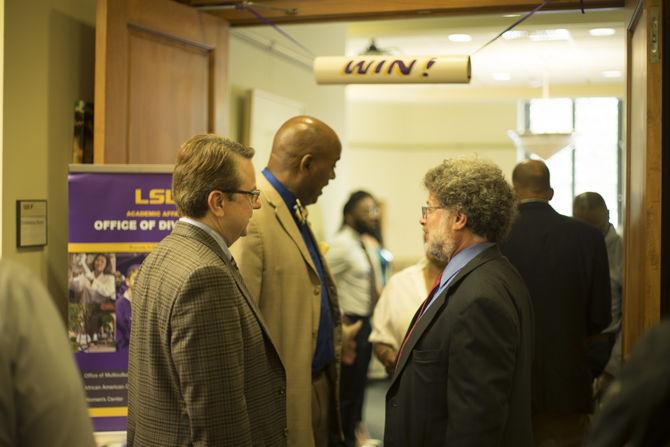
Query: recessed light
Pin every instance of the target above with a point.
(500, 76)
(550, 34)
(612, 74)
(598, 32)
(511, 15)
(460, 37)
(514, 34)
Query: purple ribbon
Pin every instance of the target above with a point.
(274, 25)
(513, 25)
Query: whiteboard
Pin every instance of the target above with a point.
(266, 112)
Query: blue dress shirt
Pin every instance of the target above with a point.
(455, 265)
(325, 351)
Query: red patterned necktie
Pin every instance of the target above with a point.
(422, 309)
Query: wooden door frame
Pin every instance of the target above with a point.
(644, 244)
(112, 84)
(665, 161)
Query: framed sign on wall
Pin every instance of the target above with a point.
(31, 223)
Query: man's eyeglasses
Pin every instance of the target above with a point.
(254, 195)
(425, 210)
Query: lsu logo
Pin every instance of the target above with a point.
(156, 197)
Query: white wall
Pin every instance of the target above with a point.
(48, 65)
(396, 134)
(392, 145)
(253, 67)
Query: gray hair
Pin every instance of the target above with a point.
(477, 188)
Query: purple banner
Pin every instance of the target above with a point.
(120, 207)
(114, 220)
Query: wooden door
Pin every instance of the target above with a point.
(160, 77)
(643, 204)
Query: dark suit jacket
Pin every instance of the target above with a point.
(636, 409)
(564, 264)
(463, 378)
(202, 367)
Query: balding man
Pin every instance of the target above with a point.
(564, 264)
(590, 207)
(288, 278)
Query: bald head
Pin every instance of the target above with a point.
(531, 181)
(590, 207)
(303, 157)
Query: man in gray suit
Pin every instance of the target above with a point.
(202, 367)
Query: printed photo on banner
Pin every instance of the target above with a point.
(100, 293)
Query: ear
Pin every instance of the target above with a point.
(306, 162)
(216, 203)
(460, 220)
(550, 194)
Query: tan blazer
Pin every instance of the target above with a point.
(202, 367)
(283, 280)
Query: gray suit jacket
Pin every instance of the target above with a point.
(202, 368)
(463, 377)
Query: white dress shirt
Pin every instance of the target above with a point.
(402, 296)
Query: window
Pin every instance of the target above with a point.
(593, 162)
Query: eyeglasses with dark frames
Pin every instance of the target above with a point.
(426, 209)
(254, 195)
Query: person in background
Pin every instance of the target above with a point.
(463, 373)
(202, 368)
(564, 264)
(605, 352)
(99, 285)
(398, 303)
(288, 277)
(97, 290)
(123, 309)
(42, 399)
(352, 267)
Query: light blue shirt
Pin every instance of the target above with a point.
(209, 230)
(455, 265)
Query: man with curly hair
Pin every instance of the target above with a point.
(463, 371)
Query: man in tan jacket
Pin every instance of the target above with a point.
(288, 278)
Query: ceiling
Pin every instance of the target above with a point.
(520, 58)
(300, 11)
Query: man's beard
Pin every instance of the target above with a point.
(440, 247)
(362, 228)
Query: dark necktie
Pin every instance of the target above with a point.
(422, 309)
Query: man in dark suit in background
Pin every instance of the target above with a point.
(564, 264)
(462, 377)
(202, 367)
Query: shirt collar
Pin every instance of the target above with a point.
(522, 201)
(209, 230)
(461, 260)
(285, 194)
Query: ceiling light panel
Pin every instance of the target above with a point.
(514, 34)
(612, 74)
(460, 37)
(550, 35)
(500, 76)
(600, 32)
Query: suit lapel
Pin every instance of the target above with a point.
(285, 218)
(193, 232)
(435, 309)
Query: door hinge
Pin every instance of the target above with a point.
(654, 31)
